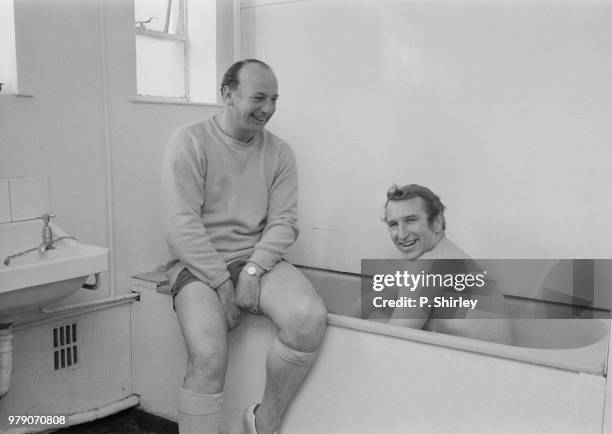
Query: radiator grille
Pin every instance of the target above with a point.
(65, 347)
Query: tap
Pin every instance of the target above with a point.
(47, 234)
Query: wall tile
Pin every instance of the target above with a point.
(5, 203)
(29, 197)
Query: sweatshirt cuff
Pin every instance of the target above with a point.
(264, 259)
(218, 280)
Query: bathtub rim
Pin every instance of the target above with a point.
(570, 359)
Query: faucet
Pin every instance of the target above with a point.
(47, 234)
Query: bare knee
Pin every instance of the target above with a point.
(305, 331)
(202, 322)
(206, 366)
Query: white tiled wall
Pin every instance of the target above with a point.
(24, 198)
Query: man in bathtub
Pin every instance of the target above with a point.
(229, 206)
(415, 219)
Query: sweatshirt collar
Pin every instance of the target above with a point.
(230, 140)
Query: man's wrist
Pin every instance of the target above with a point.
(253, 270)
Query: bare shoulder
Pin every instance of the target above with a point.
(445, 249)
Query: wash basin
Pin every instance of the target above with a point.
(37, 279)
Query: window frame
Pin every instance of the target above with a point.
(11, 80)
(139, 29)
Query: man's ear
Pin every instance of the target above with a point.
(227, 95)
(438, 223)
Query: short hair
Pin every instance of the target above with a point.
(433, 205)
(230, 78)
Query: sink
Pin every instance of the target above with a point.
(38, 279)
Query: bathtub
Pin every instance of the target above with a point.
(375, 378)
(575, 344)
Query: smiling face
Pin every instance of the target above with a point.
(409, 229)
(250, 106)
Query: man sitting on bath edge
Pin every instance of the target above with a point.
(229, 205)
(415, 219)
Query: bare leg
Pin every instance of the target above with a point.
(204, 328)
(294, 306)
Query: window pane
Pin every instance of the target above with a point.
(161, 13)
(160, 67)
(8, 62)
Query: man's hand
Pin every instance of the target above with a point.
(228, 301)
(247, 291)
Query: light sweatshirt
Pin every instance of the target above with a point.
(224, 200)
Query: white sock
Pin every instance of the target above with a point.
(199, 413)
(286, 369)
(291, 356)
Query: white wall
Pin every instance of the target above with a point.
(502, 108)
(76, 59)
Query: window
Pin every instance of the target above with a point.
(176, 49)
(8, 58)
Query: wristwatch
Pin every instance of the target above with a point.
(251, 270)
